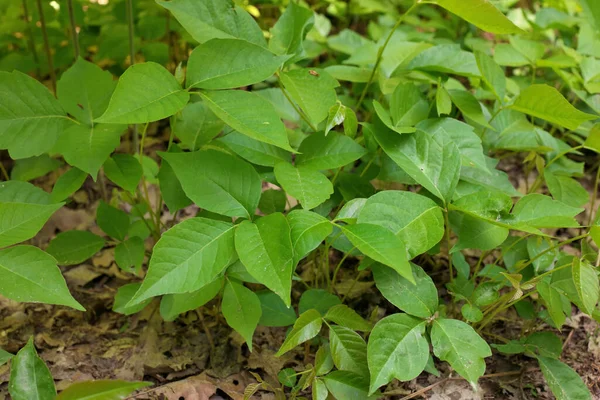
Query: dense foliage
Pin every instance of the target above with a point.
(319, 140)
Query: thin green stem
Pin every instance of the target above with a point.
(447, 227)
(594, 196)
(549, 249)
(571, 150)
(298, 110)
(3, 170)
(47, 46)
(30, 41)
(338, 266)
(74, 33)
(129, 8)
(494, 115)
(381, 51)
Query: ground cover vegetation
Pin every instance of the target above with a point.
(391, 185)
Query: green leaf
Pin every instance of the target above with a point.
(349, 73)
(319, 390)
(217, 181)
(318, 299)
(457, 343)
(552, 299)
(28, 169)
(196, 125)
(130, 253)
(67, 184)
(84, 90)
(101, 390)
(309, 229)
(230, 63)
(146, 92)
(381, 245)
(586, 283)
(443, 102)
(541, 211)
(566, 190)
(306, 327)
(335, 116)
(125, 170)
(241, 309)
(209, 19)
(469, 107)
(290, 29)
(113, 221)
(4, 357)
(471, 313)
(415, 219)
(315, 94)
(124, 296)
(323, 360)
(464, 136)
(74, 247)
(31, 275)
(272, 201)
(170, 188)
(274, 310)
(172, 305)
(88, 147)
(187, 257)
(397, 349)
(30, 378)
(408, 106)
(564, 382)
(328, 152)
(265, 249)
(446, 58)
(31, 119)
(24, 209)
(492, 75)
(309, 186)
(545, 102)
(348, 350)
(343, 315)
(250, 114)
(419, 299)
(348, 385)
(480, 13)
(255, 151)
(432, 161)
(287, 377)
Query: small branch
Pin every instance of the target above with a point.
(47, 46)
(129, 8)
(74, 34)
(30, 41)
(380, 53)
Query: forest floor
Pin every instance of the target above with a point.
(197, 357)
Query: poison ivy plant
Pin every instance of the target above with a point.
(381, 180)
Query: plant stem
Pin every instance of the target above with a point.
(594, 196)
(549, 249)
(298, 110)
(129, 8)
(30, 40)
(447, 226)
(3, 170)
(574, 149)
(47, 46)
(74, 33)
(337, 268)
(380, 53)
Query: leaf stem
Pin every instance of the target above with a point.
(380, 53)
(337, 268)
(3, 170)
(296, 108)
(47, 46)
(549, 249)
(129, 8)
(594, 196)
(447, 226)
(30, 40)
(74, 34)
